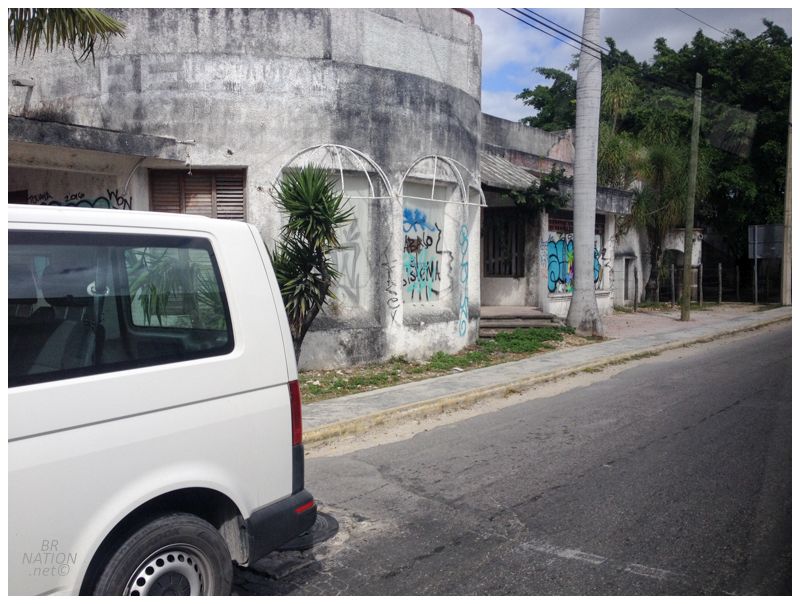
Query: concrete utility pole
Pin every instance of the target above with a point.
(786, 261)
(686, 297)
(583, 314)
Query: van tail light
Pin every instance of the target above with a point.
(305, 507)
(297, 416)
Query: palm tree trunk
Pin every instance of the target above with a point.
(583, 314)
(653, 286)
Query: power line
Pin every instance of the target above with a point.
(531, 25)
(636, 73)
(700, 21)
(538, 29)
(573, 35)
(584, 44)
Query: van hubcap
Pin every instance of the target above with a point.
(176, 570)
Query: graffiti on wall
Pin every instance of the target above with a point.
(561, 260)
(422, 256)
(112, 200)
(354, 287)
(346, 260)
(463, 311)
(390, 288)
(602, 265)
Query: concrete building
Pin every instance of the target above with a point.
(527, 258)
(201, 110)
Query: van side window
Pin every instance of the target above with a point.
(86, 303)
(173, 287)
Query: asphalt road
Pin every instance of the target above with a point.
(672, 477)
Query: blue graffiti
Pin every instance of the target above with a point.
(560, 269)
(416, 218)
(561, 266)
(463, 311)
(421, 274)
(596, 264)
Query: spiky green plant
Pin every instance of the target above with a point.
(314, 212)
(73, 28)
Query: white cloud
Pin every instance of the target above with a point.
(503, 104)
(507, 42)
(512, 50)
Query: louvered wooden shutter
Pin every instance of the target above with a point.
(218, 194)
(198, 194)
(230, 195)
(165, 192)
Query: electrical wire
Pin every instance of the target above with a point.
(531, 25)
(687, 89)
(568, 32)
(700, 21)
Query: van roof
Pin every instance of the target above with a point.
(20, 213)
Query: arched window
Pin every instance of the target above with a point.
(365, 186)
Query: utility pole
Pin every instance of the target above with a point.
(786, 261)
(686, 296)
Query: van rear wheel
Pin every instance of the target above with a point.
(176, 554)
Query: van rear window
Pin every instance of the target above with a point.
(86, 303)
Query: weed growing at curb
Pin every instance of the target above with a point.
(504, 347)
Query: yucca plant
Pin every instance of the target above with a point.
(314, 212)
(73, 28)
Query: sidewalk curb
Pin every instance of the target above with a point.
(463, 400)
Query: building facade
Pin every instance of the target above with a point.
(201, 110)
(527, 258)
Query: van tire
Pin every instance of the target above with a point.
(176, 553)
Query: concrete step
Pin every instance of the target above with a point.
(514, 316)
(490, 331)
(515, 323)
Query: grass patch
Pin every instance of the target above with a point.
(506, 346)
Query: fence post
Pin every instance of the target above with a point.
(700, 284)
(635, 288)
(738, 297)
(672, 283)
(755, 281)
(719, 280)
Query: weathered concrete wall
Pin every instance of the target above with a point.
(504, 291)
(632, 245)
(252, 87)
(676, 240)
(529, 147)
(539, 151)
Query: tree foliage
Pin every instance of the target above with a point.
(555, 105)
(646, 115)
(543, 194)
(74, 28)
(314, 212)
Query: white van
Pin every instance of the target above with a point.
(154, 432)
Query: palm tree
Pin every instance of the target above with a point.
(658, 205)
(583, 314)
(315, 212)
(73, 28)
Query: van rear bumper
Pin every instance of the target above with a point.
(273, 525)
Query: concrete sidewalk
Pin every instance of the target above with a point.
(630, 336)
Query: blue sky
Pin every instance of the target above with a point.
(512, 50)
